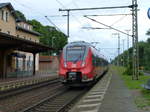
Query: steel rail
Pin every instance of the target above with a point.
(56, 103)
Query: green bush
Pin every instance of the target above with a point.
(129, 71)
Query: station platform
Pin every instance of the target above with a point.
(12, 83)
(109, 95)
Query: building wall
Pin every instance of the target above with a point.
(15, 64)
(26, 64)
(27, 36)
(33, 38)
(49, 65)
(25, 25)
(9, 26)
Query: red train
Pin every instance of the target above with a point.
(81, 63)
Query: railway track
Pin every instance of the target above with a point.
(51, 96)
(12, 92)
(59, 102)
(29, 96)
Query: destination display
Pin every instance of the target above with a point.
(75, 47)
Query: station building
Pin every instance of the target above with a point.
(19, 45)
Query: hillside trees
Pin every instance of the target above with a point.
(50, 36)
(144, 55)
(20, 15)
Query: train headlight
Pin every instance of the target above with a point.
(65, 64)
(83, 64)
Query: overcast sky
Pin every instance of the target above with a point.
(37, 9)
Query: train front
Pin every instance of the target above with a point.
(75, 65)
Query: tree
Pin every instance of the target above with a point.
(50, 35)
(148, 40)
(20, 15)
(148, 32)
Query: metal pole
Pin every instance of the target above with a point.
(53, 41)
(34, 63)
(135, 41)
(123, 53)
(128, 58)
(68, 14)
(118, 59)
(96, 8)
(118, 49)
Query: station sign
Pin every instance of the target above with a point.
(148, 13)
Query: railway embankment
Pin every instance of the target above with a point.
(141, 95)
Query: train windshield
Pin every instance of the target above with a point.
(75, 53)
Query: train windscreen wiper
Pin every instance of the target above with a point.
(79, 57)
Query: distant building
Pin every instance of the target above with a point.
(48, 64)
(19, 61)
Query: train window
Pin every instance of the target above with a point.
(94, 60)
(75, 53)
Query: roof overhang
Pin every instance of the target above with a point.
(15, 43)
(28, 31)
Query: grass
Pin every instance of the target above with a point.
(132, 84)
(135, 84)
(142, 101)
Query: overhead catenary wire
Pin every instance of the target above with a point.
(60, 3)
(87, 22)
(65, 7)
(110, 15)
(108, 26)
(120, 19)
(97, 8)
(52, 23)
(98, 28)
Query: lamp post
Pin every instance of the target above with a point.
(53, 41)
(52, 29)
(128, 47)
(118, 36)
(123, 61)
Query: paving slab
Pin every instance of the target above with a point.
(92, 101)
(109, 95)
(118, 98)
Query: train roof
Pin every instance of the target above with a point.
(79, 43)
(95, 51)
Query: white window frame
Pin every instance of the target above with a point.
(7, 16)
(2, 13)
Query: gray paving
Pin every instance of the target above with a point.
(117, 98)
(93, 99)
(146, 73)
